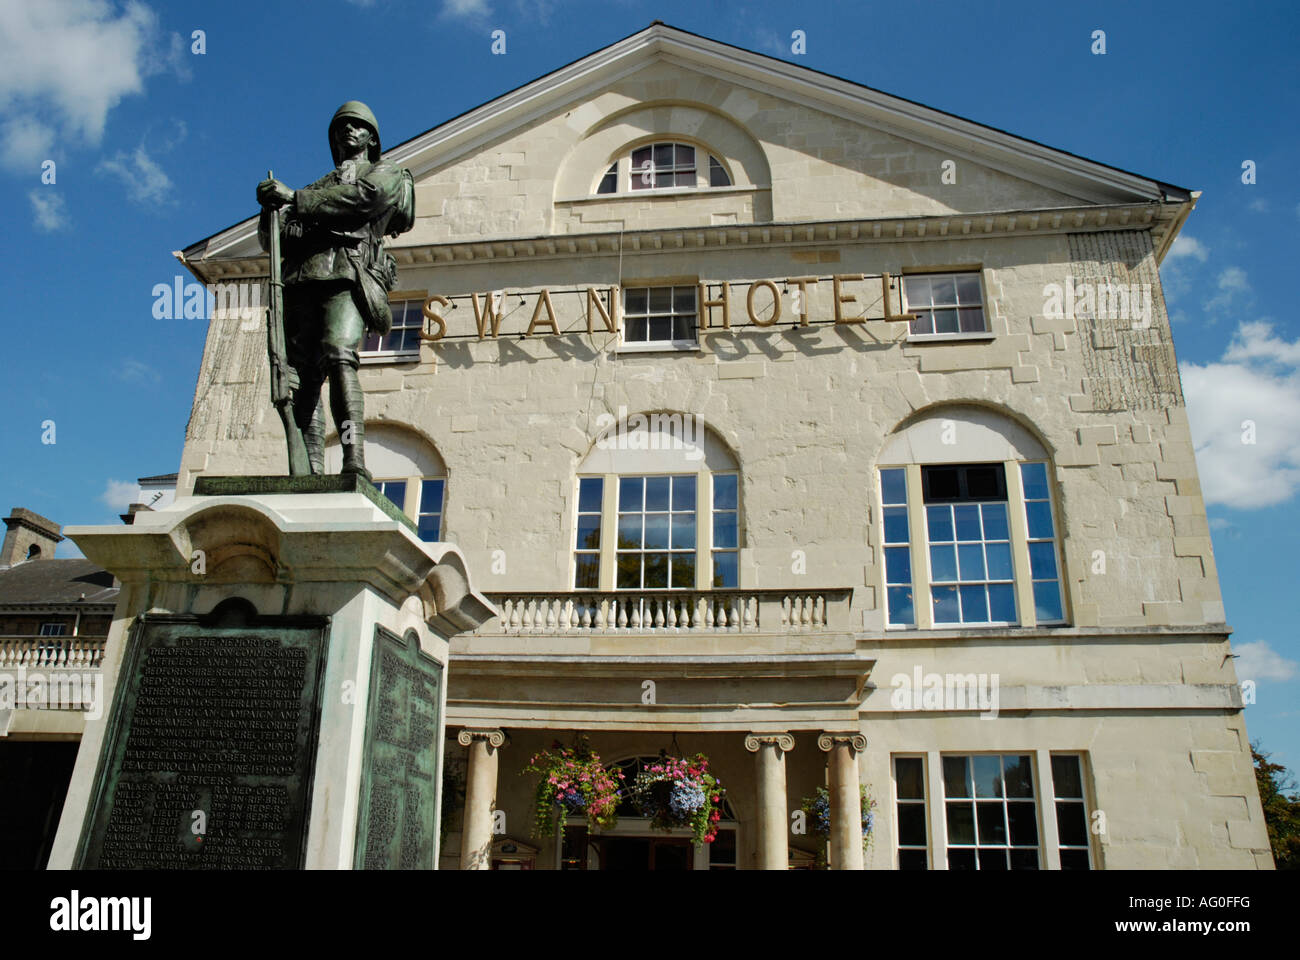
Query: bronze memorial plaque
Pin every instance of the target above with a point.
(210, 749)
(398, 817)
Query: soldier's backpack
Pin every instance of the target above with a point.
(403, 215)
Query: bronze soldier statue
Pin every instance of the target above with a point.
(336, 276)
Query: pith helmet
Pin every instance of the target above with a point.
(355, 110)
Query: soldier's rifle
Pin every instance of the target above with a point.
(283, 379)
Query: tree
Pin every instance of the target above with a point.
(1281, 808)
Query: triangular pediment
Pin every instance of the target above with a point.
(798, 145)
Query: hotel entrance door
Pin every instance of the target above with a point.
(646, 853)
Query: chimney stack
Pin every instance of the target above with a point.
(28, 536)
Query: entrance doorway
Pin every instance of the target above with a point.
(646, 853)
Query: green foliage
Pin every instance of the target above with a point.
(572, 780)
(1281, 809)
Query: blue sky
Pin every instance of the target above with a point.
(157, 146)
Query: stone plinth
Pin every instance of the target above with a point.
(276, 671)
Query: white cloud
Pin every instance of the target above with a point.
(49, 209)
(1185, 246)
(134, 371)
(120, 494)
(145, 181)
(1259, 206)
(1258, 661)
(69, 64)
(465, 9)
(1233, 285)
(1253, 392)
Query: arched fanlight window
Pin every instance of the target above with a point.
(663, 166)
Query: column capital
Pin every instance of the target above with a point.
(495, 738)
(827, 741)
(783, 741)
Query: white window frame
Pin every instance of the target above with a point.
(657, 346)
(922, 580)
(985, 334)
(407, 301)
(411, 500)
(54, 629)
(923, 803)
(624, 172)
(1082, 760)
(1036, 780)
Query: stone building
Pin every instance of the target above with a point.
(833, 436)
(54, 620)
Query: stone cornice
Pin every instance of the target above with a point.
(1154, 216)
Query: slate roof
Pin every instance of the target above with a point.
(56, 581)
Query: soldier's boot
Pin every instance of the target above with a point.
(314, 438)
(347, 404)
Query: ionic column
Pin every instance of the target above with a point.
(480, 796)
(846, 798)
(770, 751)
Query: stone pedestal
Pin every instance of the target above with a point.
(276, 671)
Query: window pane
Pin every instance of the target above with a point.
(943, 290)
(1039, 516)
(663, 154)
(660, 328)
(967, 516)
(945, 321)
(639, 156)
(395, 490)
(993, 859)
(684, 299)
(1047, 601)
(1034, 478)
(900, 606)
(911, 824)
(961, 823)
(999, 560)
(661, 299)
(684, 493)
(923, 324)
(589, 494)
(683, 531)
(910, 775)
(725, 570)
(992, 822)
(636, 300)
(974, 604)
(917, 292)
(972, 321)
(587, 576)
(1071, 823)
(956, 776)
(1024, 824)
(1074, 860)
(1024, 859)
(943, 563)
(685, 155)
(961, 859)
(1066, 778)
(683, 570)
(629, 493)
(429, 527)
(995, 521)
(984, 483)
(636, 329)
(629, 570)
(656, 531)
(939, 520)
(987, 771)
(893, 486)
(724, 491)
(589, 532)
(655, 575)
(968, 288)
(629, 531)
(1042, 560)
(717, 175)
(896, 525)
(1018, 776)
(431, 496)
(970, 561)
(1002, 603)
(946, 608)
(724, 530)
(898, 565)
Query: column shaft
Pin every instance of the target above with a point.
(846, 808)
(773, 844)
(480, 798)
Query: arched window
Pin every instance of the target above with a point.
(970, 533)
(407, 470)
(34, 552)
(657, 507)
(664, 165)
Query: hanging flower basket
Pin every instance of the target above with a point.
(818, 811)
(572, 781)
(676, 792)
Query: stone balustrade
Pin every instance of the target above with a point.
(672, 611)
(72, 653)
